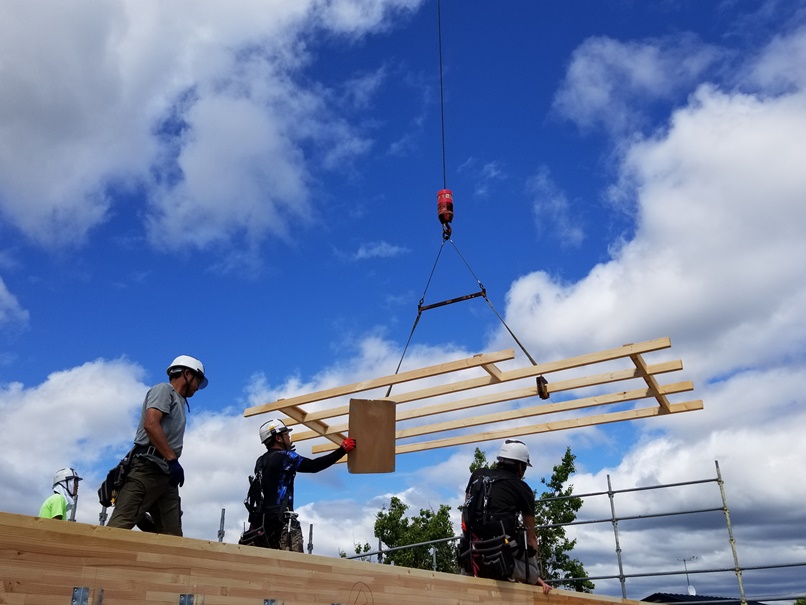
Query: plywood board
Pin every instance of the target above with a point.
(372, 424)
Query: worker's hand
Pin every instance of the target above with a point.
(546, 587)
(348, 445)
(177, 473)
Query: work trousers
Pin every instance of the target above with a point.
(147, 490)
(285, 540)
(294, 541)
(519, 574)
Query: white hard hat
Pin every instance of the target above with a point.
(191, 363)
(272, 427)
(513, 449)
(65, 474)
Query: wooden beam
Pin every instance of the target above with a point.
(539, 410)
(527, 372)
(492, 370)
(503, 396)
(559, 425)
(320, 428)
(640, 364)
(365, 385)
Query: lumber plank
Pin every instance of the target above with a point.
(677, 408)
(365, 385)
(539, 410)
(319, 427)
(492, 370)
(503, 396)
(651, 382)
(517, 374)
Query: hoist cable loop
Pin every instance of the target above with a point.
(419, 313)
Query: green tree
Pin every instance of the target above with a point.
(395, 529)
(800, 601)
(554, 547)
(554, 506)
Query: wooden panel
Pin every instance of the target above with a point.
(42, 560)
(372, 424)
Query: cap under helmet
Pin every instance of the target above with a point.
(191, 363)
(63, 475)
(272, 427)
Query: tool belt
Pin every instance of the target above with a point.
(147, 450)
(490, 556)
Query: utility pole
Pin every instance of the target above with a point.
(691, 590)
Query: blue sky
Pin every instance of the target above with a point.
(256, 186)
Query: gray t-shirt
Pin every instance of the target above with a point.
(164, 398)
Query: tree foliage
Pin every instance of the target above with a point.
(557, 505)
(395, 529)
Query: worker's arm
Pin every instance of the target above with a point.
(531, 537)
(308, 465)
(531, 540)
(156, 435)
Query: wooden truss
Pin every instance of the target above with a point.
(480, 373)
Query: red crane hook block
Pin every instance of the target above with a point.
(445, 209)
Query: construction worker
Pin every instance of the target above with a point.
(510, 497)
(152, 484)
(64, 496)
(275, 471)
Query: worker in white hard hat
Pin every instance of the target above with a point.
(64, 496)
(272, 521)
(152, 484)
(510, 508)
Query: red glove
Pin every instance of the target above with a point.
(348, 445)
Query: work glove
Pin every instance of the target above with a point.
(348, 445)
(177, 473)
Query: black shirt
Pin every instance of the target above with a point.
(509, 495)
(279, 469)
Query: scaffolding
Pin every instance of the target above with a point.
(614, 520)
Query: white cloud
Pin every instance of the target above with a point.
(553, 209)
(715, 259)
(482, 174)
(353, 17)
(379, 250)
(777, 67)
(83, 112)
(609, 82)
(242, 177)
(11, 312)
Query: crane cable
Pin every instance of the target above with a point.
(445, 213)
